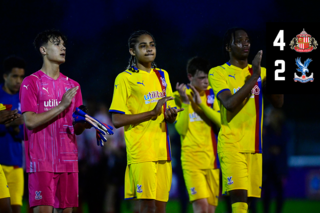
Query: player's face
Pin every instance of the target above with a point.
(199, 80)
(145, 49)
(240, 45)
(14, 79)
(55, 50)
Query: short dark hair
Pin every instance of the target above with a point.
(45, 36)
(13, 62)
(198, 63)
(132, 41)
(228, 36)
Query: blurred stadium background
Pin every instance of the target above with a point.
(97, 51)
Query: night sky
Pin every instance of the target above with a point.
(98, 31)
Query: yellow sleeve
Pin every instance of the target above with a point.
(213, 115)
(182, 121)
(121, 93)
(263, 73)
(217, 81)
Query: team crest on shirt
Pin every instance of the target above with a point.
(303, 43)
(193, 190)
(139, 190)
(230, 181)
(66, 88)
(210, 99)
(163, 82)
(38, 195)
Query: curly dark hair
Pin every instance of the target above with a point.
(132, 41)
(45, 36)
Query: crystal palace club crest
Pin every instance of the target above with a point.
(303, 42)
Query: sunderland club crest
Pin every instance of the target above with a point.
(303, 43)
(303, 68)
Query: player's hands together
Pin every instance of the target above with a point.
(196, 95)
(170, 114)
(256, 64)
(16, 122)
(68, 96)
(157, 110)
(181, 88)
(7, 116)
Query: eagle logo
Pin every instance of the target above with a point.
(303, 68)
(139, 190)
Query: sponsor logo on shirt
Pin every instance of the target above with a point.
(140, 83)
(236, 90)
(233, 76)
(194, 117)
(38, 195)
(139, 190)
(230, 181)
(26, 86)
(193, 190)
(45, 90)
(51, 103)
(154, 96)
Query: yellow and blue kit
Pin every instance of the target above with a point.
(137, 92)
(199, 157)
(240, 136)
(11, 152)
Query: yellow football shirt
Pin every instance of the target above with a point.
(241, 130)
(199, 142)
(138, 92)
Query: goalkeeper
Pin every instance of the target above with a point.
(48, 100)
